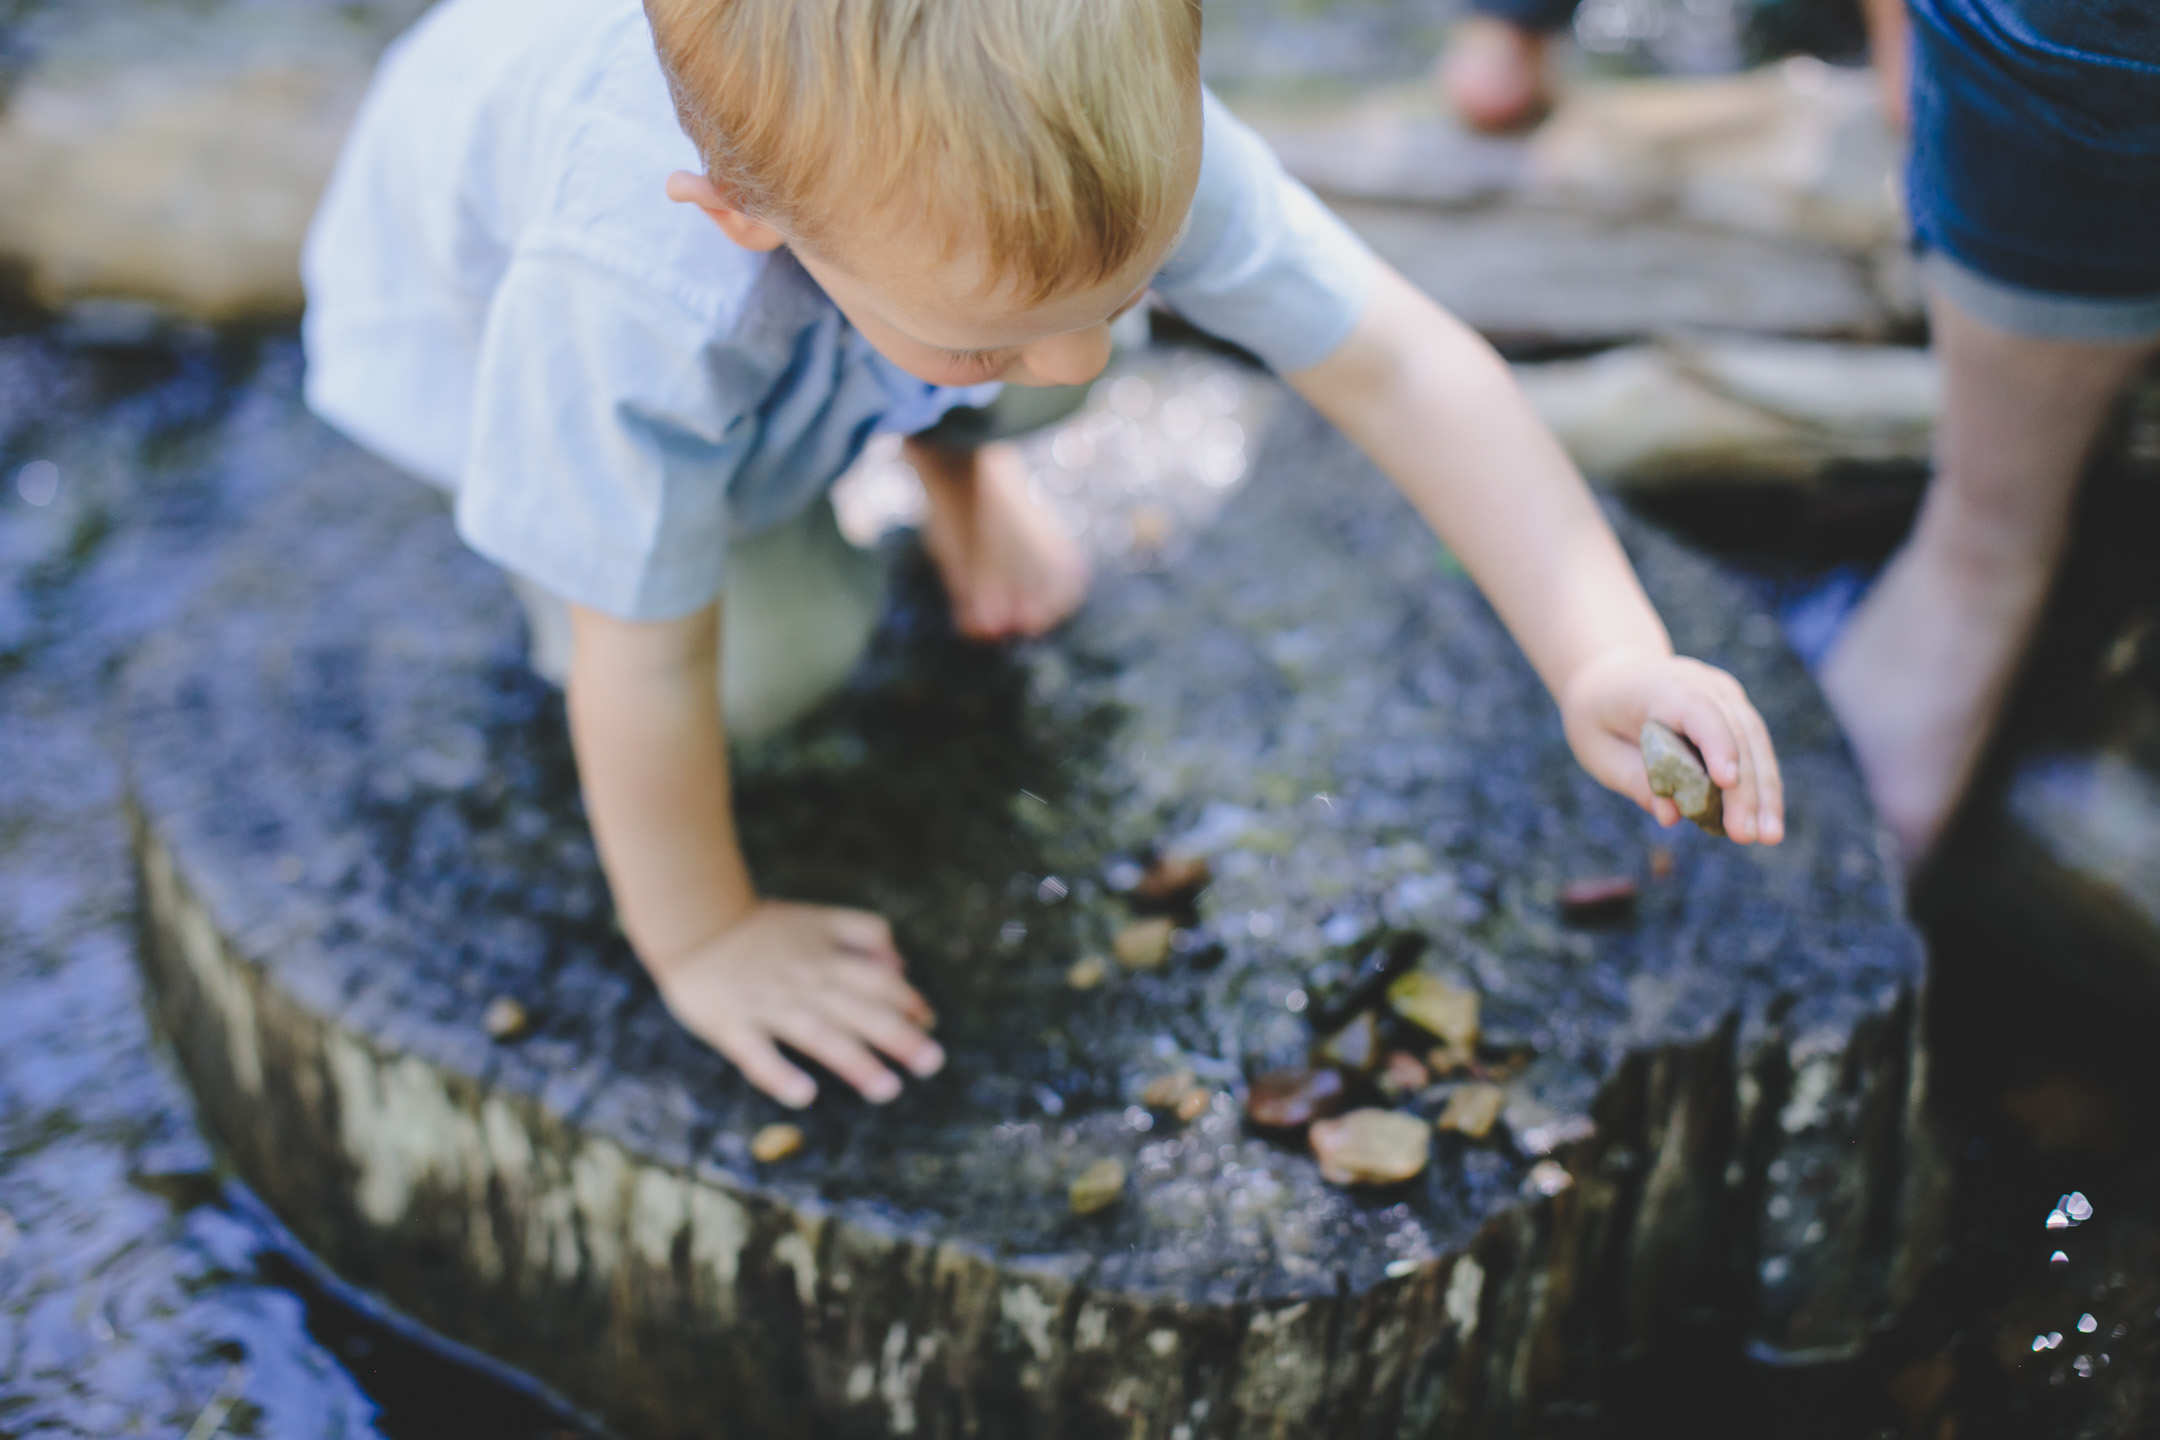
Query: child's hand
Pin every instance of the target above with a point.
(1607, 701)
(825, 980)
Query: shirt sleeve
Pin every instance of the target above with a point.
(1263, 263)
(603, 442)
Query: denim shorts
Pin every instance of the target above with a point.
(2034, 183)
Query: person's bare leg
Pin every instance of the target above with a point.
(1494, 75)
(1889, 33)
(1922, 671)
(1007, 566)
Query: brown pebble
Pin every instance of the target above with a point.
(1473, 1110)
(1354, 1047)
(1447, 1011)
(1598, 898)
(1097, 1187)
(1452, 1060)
(1194, 1104)
(1087, 972)
(506, 1020)
(1371, 1147)
(775, 1143)
(1165, 1091)
(1661, 863)
(1287, 1099)
(1677, 772)
(1173, 878)
(1404, 1074)
(1144, 944)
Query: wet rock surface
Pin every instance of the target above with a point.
(1758, 203)
(1313, 699)
(172, 155)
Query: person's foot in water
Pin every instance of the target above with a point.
(1494, 76)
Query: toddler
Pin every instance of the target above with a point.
(638, 284)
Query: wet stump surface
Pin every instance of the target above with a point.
(358, 824)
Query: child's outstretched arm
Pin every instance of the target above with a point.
(1436, 409)
(739, 972)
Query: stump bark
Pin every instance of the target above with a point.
(357, 825)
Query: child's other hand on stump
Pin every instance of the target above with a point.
(1607, 700)
(826, 981)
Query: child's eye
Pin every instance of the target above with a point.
(975, 359)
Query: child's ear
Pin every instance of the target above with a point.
(685, 188)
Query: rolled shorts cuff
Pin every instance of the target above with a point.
(1540, 16)
(2041, 314)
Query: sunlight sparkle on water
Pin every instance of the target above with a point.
(38, 482)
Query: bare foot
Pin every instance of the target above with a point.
(1494, 77)
(1917, 681)
(1922, 671)
(1007, 567)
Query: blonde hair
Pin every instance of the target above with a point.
(1046, 131)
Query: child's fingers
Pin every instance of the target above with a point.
(761, 1062)
(1743, 805)
(1701, 716)
(1769, 781)
(864, 933)
(1616, 760)
(887, 1030)
(840, 1053)
(880, 984)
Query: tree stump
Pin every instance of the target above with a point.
(358, 826)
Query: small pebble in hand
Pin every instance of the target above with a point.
(1678, 774)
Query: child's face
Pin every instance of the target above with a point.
(931, 316)
(935, 322)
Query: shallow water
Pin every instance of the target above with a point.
(138, 1293)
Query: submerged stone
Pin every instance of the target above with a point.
(1166, 1092)
(1371, 1147)
(1446, 1011)
(1404, 1073)
(1292, 1099)
(1173, 880)
(775, 1143)
(505, 1020)
(1354, 1047)
(1144, 944)
(1087, 972)
(1472, 1110)
(1098, 1187)
(1598, 899)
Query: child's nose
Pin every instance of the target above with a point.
(1071, 359)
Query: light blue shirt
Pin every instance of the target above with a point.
(502, 299)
